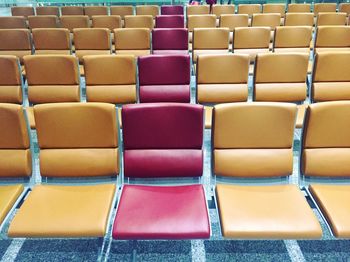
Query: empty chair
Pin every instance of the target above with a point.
(110, 79)
(197, 10)
(292, 39)
(325, 154)
(210, 41)
(254, 141)
(95, 10)
(22, 11)
(138, 21)
(47, 10)
(11, 90)
(152, 10)
(172, 10)
(122, 11)
(72, 10)
(219, 10)
(167, 41)
(164, 78)
(15, 42)
(275, 8)
(106, 21)
(15, 161)
(170, 21)
(270, 20)
(299, 19)
(249, 9)
(331, 19)
(233, 21)
(43, 21)
(344, 8)
(75, 21)
(51, 41)
(332, 38)
(13, 22)
(324, 7)
(172, 136)
(91, 41)
(299, 8)
(200, 21)
(331, 77)
(84, 137)
(132, 41)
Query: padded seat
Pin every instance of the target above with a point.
(8, 197)
(180, 212)
(265, 212)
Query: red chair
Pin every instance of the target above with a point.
(170, 41)
(172, 10)
(170, 21)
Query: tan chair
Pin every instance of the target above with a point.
(75, 140)
(72, 10)
(325, 154)
(292, 39)
(106, 21)
(122, 11)
(11, 89)
(221, 79)
(275, 9)
(267, 20)
(95, 10)
(219, 10)
(15, 42)
(51, 79)
(332, 38)
(47, 10)
(22, 11)
(13, 22)
(51, 41)
(139, 21)
(110, 79)
(199, 21)
(331, 19)
(324, 7)
(249, 9)
(299, 8)
(255, 141)
(210, 41)
(43, 21)
(152, 10)
(132, 41)
(299, 19)
(197, 10)
(233, 21)
(75, 21)
(344, 8)
(331, 77)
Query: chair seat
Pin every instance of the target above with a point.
(64, 211)
(266, 212)
(162, 212)
(8, 196)
(165, 93)
(334, 202)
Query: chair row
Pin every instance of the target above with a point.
(165, 141)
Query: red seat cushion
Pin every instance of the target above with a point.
(162, 212)
(165, 93)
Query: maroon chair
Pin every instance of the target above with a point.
(162, 140)
(170, 41)
(170, 21)
(172, 10)
(164, 78)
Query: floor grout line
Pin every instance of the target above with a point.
(197, 250)
(13, 250)
(294, 251)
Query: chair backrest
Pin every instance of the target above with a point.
(211, 38)
(271, 20)
(326, 141)
(152, 10)
(331, 76)
(233, 21)
(275, 8)
(344, 8)
(43, 21)
(106, 21)
(197, 10)
(13, 22)
(72, 10)
(332, 36)
(122, 11)
(299, 8)
(249, 9)
(22, 11)
(331, 19)
(95, 10)
(251, 37)
(132, 38)
(110, 79)
(52, 78)
(170, 39)
(280, 77)
(92, 38)
(15, 42)
(299, 19)
(197, 21)
(51, 41)
(15, 155)
(168, 135)
(83, 136)
(292, 37)
(170, 21)
(139, 21)
(172, 10)
(219, 10)
(325, 7)
(10, 80)
(75, 21)
(253, 139)
(47, 10)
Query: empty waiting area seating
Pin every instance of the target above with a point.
(292, 39)
(170, 21)
(95, 10)
(138, 21)
(249, 9)
(22, 11)
(200, 21)
(197, 10)
(11, 90)
(219, 10)
(74, 21)
(324, 7)
(72, 10)
(47, 10)
(15, 42)
(275, 8)
(332, 38)
(299, 8)
(169, 41)
(152, 10)
(331, 19)
(172, 10)
(13, 22)
(106, 21)
(299, 19)
(51, 41)
(44, 21)
(132, 41)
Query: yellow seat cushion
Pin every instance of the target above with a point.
(8, 196)
(334, 202)
(64, 211)
(266, 212)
